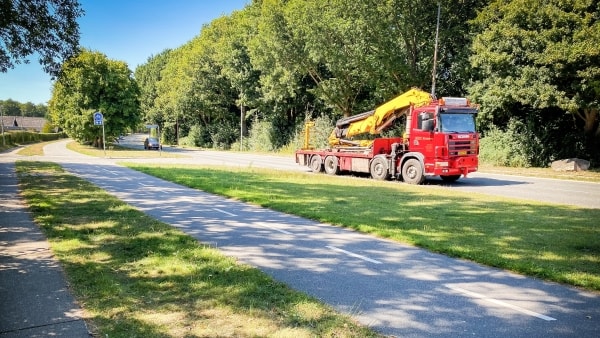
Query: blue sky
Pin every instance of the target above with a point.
(125, 30)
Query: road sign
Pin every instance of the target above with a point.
(98, 119)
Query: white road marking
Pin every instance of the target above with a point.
(225, 212)
(353, 254)
(267, 225)
(499, 302)
(143, 184)
(112, 172)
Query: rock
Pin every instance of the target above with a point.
(571, 164)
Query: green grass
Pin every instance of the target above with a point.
(554, 242)
(137, 277)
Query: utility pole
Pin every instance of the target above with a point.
(433, 72)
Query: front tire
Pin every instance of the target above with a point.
(412, 172)
(331, 165)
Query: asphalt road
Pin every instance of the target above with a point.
(581, 194)
(397, 289)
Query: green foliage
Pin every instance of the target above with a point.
(91, 82)
(47, 28)
(539, 55)
(27, 137)
(223, 134)
(11, 107)
(48, 128)
(503, 148)
(193, 138)
(260, 137)
(289, 58)
(147, 77)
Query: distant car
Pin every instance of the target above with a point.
(151, 143)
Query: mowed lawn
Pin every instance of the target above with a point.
(550, 241)
(137, 277)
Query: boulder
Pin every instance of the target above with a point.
(570, 164)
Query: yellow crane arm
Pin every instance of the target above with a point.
(377, 120)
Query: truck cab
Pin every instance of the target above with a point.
(442, 137)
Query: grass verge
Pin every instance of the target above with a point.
(554, 242)
(137, 277)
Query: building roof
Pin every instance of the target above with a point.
(23, 122)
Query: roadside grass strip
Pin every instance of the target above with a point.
(137, 277)
(550, 241)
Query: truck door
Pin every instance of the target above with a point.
(421, 135)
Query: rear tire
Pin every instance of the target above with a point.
(412, 172)
(316, 164)
(331, 165)
(379, 169)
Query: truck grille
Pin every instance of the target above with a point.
(462, 147)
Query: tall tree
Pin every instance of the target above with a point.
(231, 53)
(91, 82)
(10, 107)
(46, 27)
(539, 55)
(148, 76)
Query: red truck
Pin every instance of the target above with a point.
(439, 140)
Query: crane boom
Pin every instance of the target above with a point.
(375, 121)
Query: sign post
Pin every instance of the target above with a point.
(99, 121)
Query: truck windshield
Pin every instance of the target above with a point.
(457, 123)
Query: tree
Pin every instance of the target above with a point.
(10, 107)
(231, 53)
(46, 27)
(88, 83)
(539, 55)
(148, 76)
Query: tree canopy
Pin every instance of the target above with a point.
(280, 62)
(91, 82)
(539, 55)
(12, 107)
(47, 28)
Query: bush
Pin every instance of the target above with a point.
(505, 148)
(223, 134)
(26, 137)
(318, 137)
(259, 137)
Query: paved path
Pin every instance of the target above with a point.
(397, 289)
(34, 297)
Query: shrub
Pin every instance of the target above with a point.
(504, 148)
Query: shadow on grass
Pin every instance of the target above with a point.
(554, 242)
(140, 277)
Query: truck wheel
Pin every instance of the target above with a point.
(450, 178)
(316, 164)
(412, 172)
(331, 165)
(379, 168)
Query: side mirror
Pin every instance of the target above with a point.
(427, 125)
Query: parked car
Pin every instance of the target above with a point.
(151, 143)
